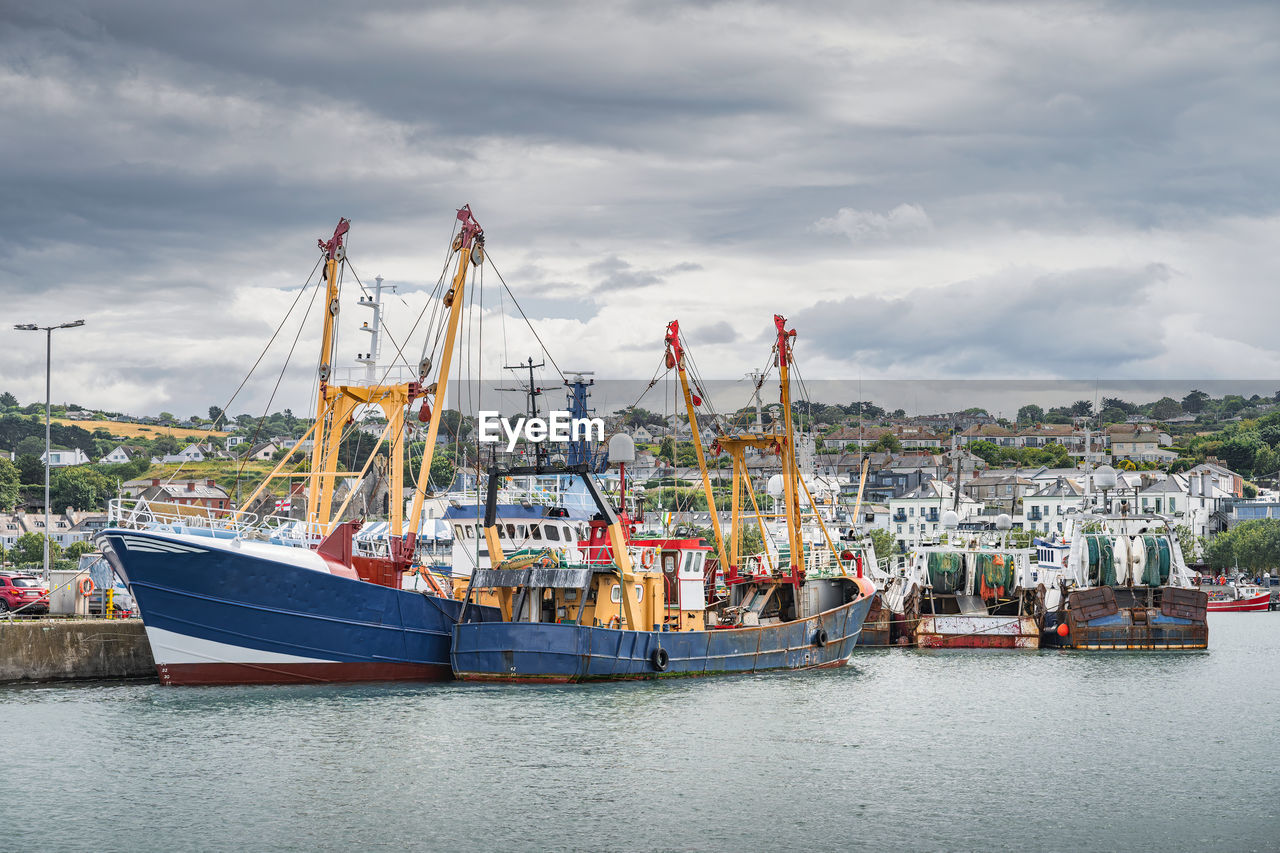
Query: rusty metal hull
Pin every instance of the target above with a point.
(1129, 619)
(964, 631)
(551, 652)
(877, 629)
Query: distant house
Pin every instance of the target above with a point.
(993, 433)
(192, 453)
(264, 451)
(234, 441)
(1140, 442)
(642, 435)
(60, 457)
(119, 456)
(203, 493)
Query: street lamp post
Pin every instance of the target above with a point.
(48, 399)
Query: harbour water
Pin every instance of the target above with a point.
(958, 750)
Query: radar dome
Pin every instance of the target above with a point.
(950, 519)
(1104, 477)
(1004, 521)
(622, 448)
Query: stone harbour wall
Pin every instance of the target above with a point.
(60, 649)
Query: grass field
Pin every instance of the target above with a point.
(221, 471)
(120, 429)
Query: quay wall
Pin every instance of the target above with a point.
(60, 649)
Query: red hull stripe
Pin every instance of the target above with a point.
(1262, 602)
(297, 673)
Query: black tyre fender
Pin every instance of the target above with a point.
(820, 637)
(660, 659)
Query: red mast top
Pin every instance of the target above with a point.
(334, 243)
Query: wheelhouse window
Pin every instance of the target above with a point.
(615, 594)
(553, 533)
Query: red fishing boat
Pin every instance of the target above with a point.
(1232, 598)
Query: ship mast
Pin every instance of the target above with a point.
(469, 244)
(336, 406)
(787, 448)
(675, 356)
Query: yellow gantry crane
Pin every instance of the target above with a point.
(338, 401)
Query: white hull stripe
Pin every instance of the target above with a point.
(168, 647)
(158, 546)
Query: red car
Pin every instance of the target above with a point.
(19, 591)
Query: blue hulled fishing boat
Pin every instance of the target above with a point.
(222, 605)
(647, 614)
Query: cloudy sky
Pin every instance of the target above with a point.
(929, 190)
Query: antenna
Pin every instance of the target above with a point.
(532, 392)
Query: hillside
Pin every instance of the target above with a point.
(126, 430)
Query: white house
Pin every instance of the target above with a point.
(1045, 510)
(192, 453)
(234, 441)
(918, 513)
(60, 458)
(116, 457)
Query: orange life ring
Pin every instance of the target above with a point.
(86, 586)
(647, 557)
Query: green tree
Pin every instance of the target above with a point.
(1250, 545)
(215, 415)
(1165, 408)
(8, 401)
(442, 470)
(76, 550)
(1030, 414)
(1190, 544)
(752, 540)
(686, 455)
(667, 449)
(1240, 450)
(986, 450)
(1195, 402)
(883, 542)
(167, 417)
(29, 549)
(81, 487)
(1081, 408)
(887, 443)
(30, 446)
(10, 484)
(30, 469)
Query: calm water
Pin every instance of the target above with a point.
(902, 749)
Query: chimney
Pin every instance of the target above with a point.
(208, 482)
(155, 482)
(191, 485)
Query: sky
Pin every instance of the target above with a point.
(930, 192)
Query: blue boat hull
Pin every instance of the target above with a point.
(566, 652)
(216, 616)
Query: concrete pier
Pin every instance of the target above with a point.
(61, 649)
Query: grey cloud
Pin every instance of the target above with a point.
(166, 160)
(1061, 324)
(613, 273)
(716, 333)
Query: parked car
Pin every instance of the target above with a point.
(23, 591)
